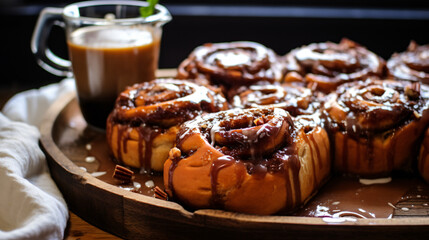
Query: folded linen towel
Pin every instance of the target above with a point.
(31, 206)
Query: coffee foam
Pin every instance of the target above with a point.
(111, 36)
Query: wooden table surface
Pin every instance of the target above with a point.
(78, 229)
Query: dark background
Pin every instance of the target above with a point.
(382, 26)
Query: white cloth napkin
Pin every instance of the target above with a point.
(31, 206)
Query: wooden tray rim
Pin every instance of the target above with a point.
(216, 218)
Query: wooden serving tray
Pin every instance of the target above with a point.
(134, 216)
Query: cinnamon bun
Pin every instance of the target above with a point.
(412, 64)
(232, 64)
(142, 128)
(258, 160)
(325, 66)
(297, 100)
(375, 125)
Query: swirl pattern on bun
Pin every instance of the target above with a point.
(232, 64)
(325, 66)
(297, 100)
(412, 64)
(142, 128)
(257, 160)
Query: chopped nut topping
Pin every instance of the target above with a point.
(293, 77)
(259, 121)
(160, 194)
(122, 173)
(312, 86)
(417, 115)
(174, 153)
(234, 73)
(377, 90)
(413, 90)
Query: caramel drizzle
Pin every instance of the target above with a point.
(288, 185)
(369, 148)
(217, 165)
(146, 136)
(173, 165)
(319, 158)
(307, 140)
(121, 139)
(292, 164)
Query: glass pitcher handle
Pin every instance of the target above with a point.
(39, 43)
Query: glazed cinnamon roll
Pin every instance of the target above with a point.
(258, 160)
(232, 64)
(295, 99)
(423, 162)
(142, 128)
(412, 64)
(324, 66)
(375, 125)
